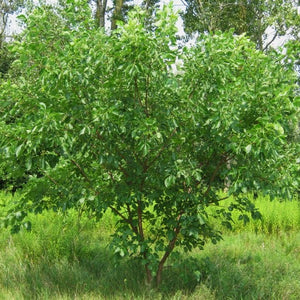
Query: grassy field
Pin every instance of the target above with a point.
(61, 260)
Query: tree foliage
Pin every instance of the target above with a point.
(104, 123)
(5, 60)
(8, 7)
(250, 17)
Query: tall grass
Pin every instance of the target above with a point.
(277, 216)
(59, 259)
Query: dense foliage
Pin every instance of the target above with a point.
(102, 122)
(255, 18)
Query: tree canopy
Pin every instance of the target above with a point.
(102, 122)
(251, 17)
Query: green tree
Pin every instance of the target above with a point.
(104, 123)
(7, 7)
(101, 9)
(252, 17)
(119, 10)
(5, 60)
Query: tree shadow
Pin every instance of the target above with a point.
(94, 271)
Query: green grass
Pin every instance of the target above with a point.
(61, 260)
(277, 216)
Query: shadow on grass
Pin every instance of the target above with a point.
(93, 273)
(97, 273)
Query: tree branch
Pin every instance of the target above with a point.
(169, 250)
(218, 200)
(51, 179)
(119, 214)
(162, 148)
(134, 228)
(81, 170)
(140, 220)
(87, 179)
(272, 40)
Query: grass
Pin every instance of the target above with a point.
(60, 260)
(277, 216)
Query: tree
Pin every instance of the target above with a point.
(7, 7)
(5, 60)
(103, 123)
(252, 17)
(101, 7)
(119, 11)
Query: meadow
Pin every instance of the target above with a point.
(64, 257)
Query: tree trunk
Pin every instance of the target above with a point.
(259, 34)
(169, 250)
(116, 14)
(100, 13)
(149, 278)
(163, 260)
(3, 24)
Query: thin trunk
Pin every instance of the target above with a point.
(202, 14)
(148, 275)
(142, 237)
(259, 34)
(242, 17)
(3, 24)
(116, 14)
(168, 252)
(100, 13)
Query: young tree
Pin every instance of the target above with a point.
(104, 123)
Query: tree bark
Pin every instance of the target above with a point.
(116, 14)
(3, 24)
(100, 13)
(169, 250)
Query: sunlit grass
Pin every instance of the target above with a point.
(277, 216)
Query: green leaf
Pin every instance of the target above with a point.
(18, 150)
(170, 235)
(201, 220)
(29, 164)
(82, 131)
(43, 105)
(22, 17)
(248, 148)
(170, 180)
(145, 149)
(279, 128)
